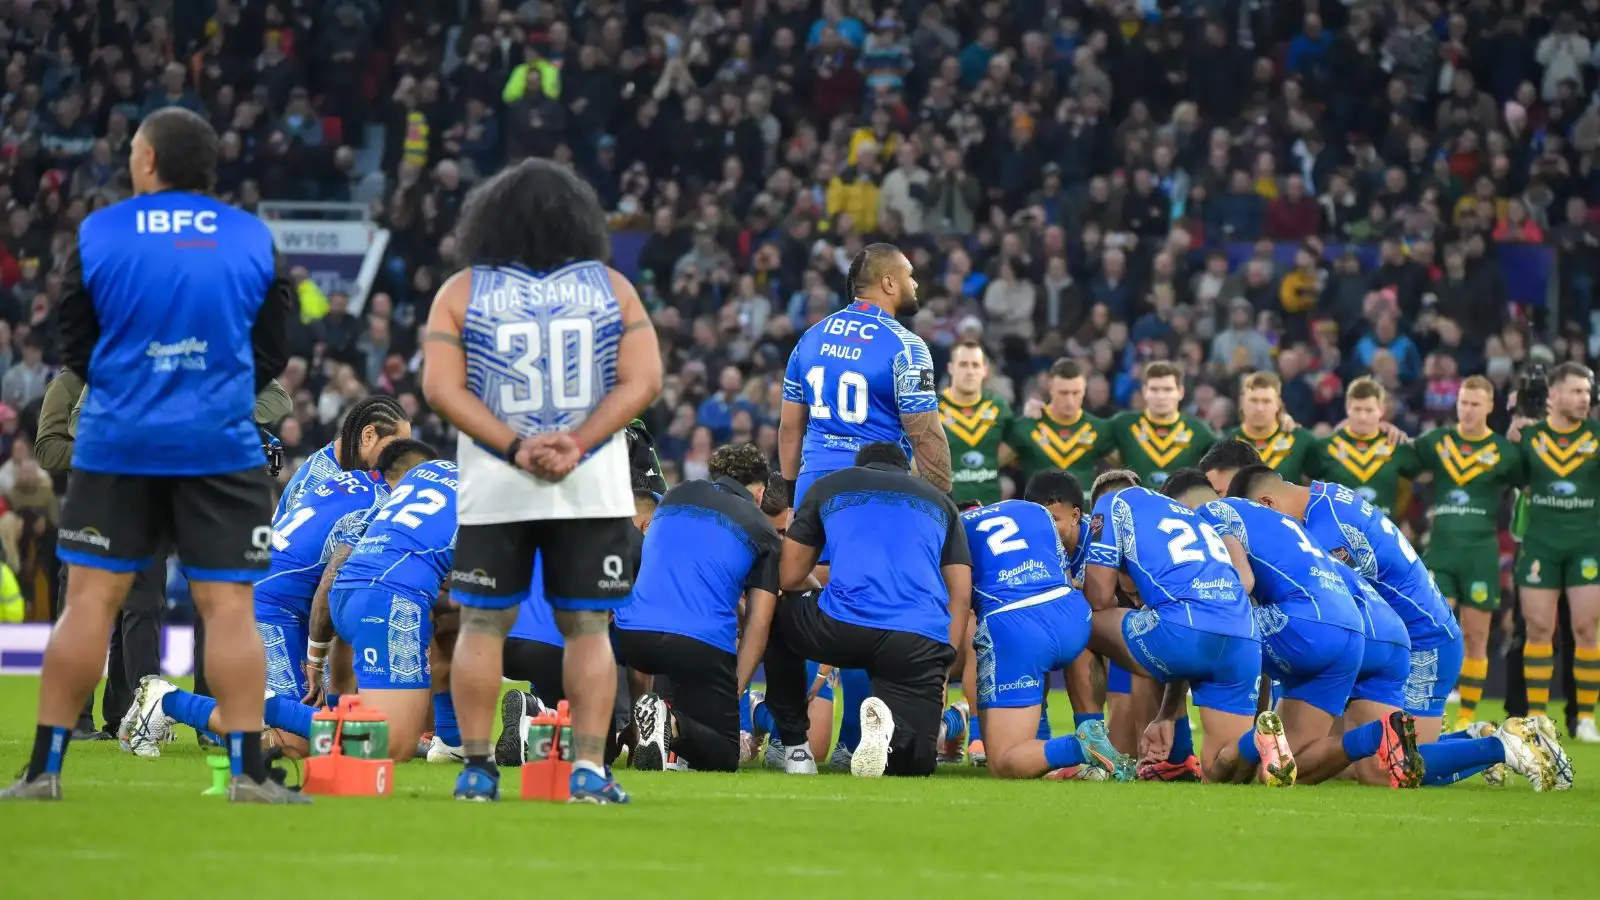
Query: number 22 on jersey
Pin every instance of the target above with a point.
(428, 501)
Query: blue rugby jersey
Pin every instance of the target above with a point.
(888, 534)
(1176, 560)
(1017, 557)
(1294, 575)
(708, 543)
(303, 540)
(858, 371)
(318, 467)
(1360, 534)
(409, 542)
(175, 312)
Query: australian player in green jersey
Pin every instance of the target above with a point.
(977, 422)
(1364, 455)
(1472, 469)
(1160, 439)
(1059, 434)
(1262, 427)
(1559, 549)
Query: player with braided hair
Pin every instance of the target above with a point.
(371, 424)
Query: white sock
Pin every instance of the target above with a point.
(587, 766)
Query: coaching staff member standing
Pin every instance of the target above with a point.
(175, 313)
(897, 600)
(709, 547)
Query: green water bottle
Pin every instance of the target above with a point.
(540, 738)
(322, 730)
(566, 743)
(366, 739)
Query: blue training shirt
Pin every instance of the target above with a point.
(708, 543)
(858, 371)
(1295, 577)
(1176, 560)
(888, 534)
(303, 540)
(1359, 533)
(170, 287)
(1017, 557)
(409, 542)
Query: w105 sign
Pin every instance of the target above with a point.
(337, 256)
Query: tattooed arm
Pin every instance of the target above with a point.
(929, 447)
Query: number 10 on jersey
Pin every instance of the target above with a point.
(850, 397)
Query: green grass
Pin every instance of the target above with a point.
(139, 828)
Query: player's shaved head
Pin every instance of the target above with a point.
(883, 452)
(882, 273)
(1255, 482)
(1054, 486)
(1111, 481)
(401, 456)
(1225, 459)
(1190, 487)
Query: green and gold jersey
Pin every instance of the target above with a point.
(1284, 451)
(1074, 445)
(976, 431)
(1371, 466)
(1470, 479)
(1562, 474)
(1153, 449)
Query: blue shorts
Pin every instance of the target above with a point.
(1223, 671)
(1118, 679)
(1431, 679)
(1316, 663)
(389, 633)
(1385, 667)
(285, 647)
(1018, 649)
(826, 691)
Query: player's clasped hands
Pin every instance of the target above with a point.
(551, 457)
(1156, 743)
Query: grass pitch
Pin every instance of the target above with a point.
(138, 828)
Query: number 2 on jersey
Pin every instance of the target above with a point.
(569, 355)
(429, 501)
(1003, 539)
(1406, 550)
(851, 397)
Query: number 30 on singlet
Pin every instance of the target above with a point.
(566, 347)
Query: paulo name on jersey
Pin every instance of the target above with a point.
(1017, 557)
(857, 371)
(1294, 575)
(1176, 560)
(410, 540)
(1358, 533)
(541, 352)
(303, 540)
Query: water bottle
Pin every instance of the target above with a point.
(541, 735)
(566, 741)
(323, 726)
(366, 738)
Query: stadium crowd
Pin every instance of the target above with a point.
(1323, 190)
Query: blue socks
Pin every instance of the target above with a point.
(974, 731)
(1183, 741)
(857, 687)
(1044, 724)
(1364, 741)
(444, 720)
(1450, 761)
(761, 719)
(1079, 718)
(192, 710)
(744, 714)
(1062, 752)
(1247, 748)
(953, 728)
(49, 750)
(288, 715)
(1456, 736)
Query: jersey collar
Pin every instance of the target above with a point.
(871, 309)
(733, 487)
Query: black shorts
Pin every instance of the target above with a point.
(220, 525)
(588, 563)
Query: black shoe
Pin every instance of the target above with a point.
(90, 734)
